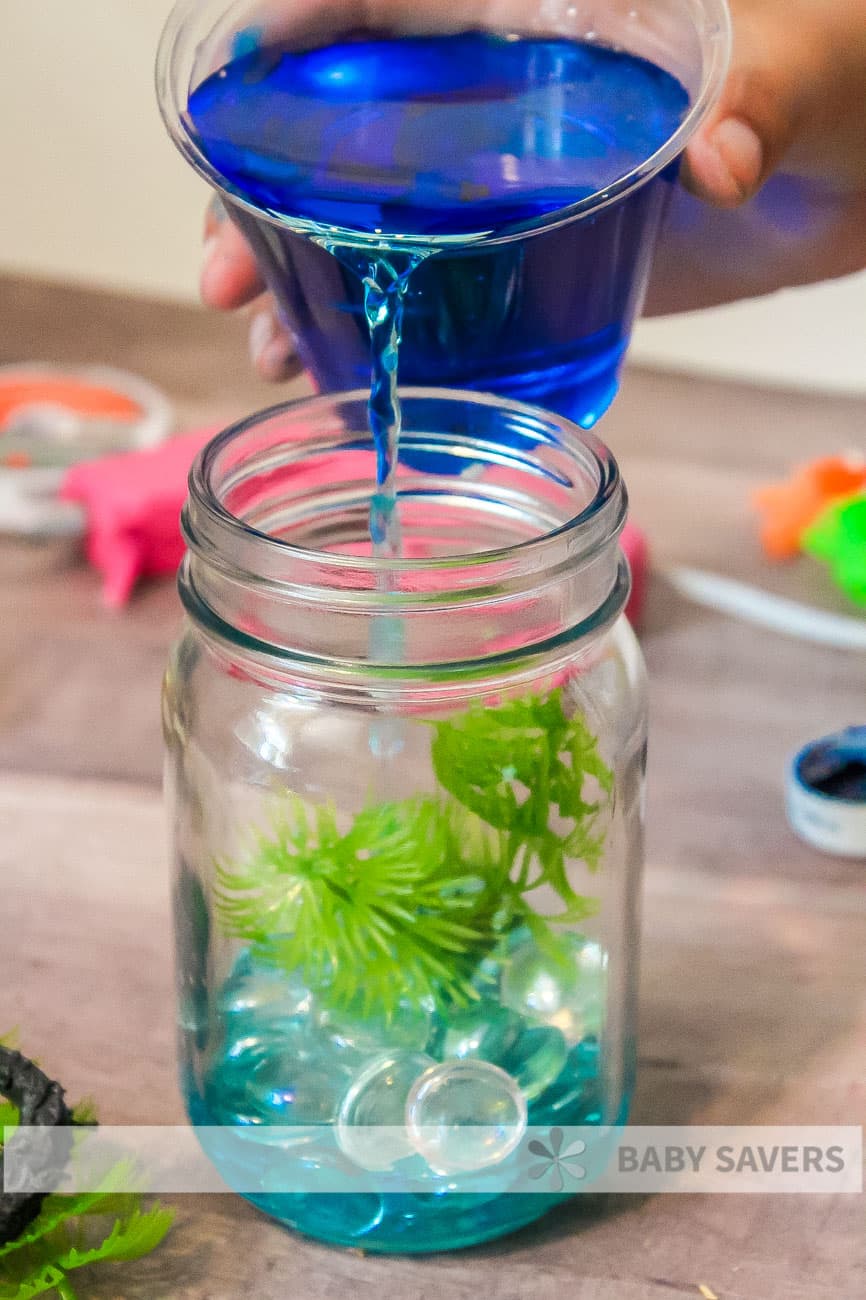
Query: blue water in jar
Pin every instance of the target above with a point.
(451, 136)
(275, 1055)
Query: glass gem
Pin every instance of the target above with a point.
(465, 1115)
(371, 1126)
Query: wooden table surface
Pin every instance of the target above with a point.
(754, 975)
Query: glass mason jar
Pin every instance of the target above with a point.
(406, 801)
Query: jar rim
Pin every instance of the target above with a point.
(533, 596)
(597, 523)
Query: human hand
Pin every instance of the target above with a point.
(779, 167)
(792, 113)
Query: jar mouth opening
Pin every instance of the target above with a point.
(503, 442)
(509, 519)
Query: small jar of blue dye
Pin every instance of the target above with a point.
(406, 805)
(826, 793)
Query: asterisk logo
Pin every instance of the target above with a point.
(557, 1163)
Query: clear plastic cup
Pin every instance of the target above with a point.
(539, 310)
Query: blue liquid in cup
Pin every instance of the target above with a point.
(452, 136)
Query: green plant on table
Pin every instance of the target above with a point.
(430, 885)
(76, 1231)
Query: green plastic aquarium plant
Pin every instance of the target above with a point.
(430, 885)
(76, 1231)
(73, 1232)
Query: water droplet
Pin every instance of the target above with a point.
(375, 1101)
(465, 1115)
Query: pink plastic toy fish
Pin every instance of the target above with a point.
(132, 503)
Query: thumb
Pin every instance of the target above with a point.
(765, 101)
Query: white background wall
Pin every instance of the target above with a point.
(92, 190)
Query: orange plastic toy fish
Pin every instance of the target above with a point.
(789, 508)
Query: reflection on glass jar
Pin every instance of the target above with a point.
(408, 862)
